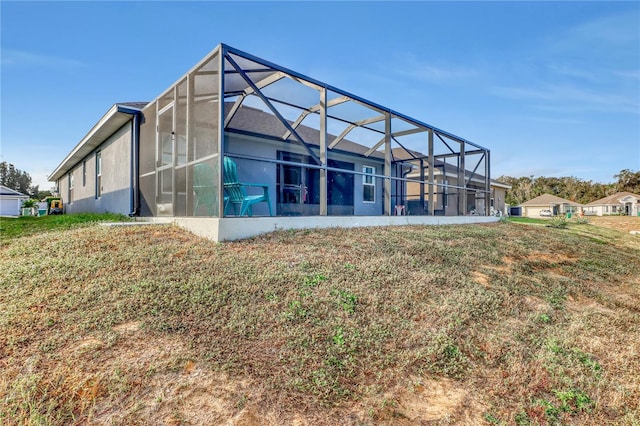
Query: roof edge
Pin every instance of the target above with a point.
(115, 109)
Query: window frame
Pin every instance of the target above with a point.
(368, 172)
(98, 174)
(70, 188)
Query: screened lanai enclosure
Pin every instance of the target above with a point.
(241, 136)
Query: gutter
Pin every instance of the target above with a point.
(134, 196)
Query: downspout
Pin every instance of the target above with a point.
(405, 173)
(134, 179)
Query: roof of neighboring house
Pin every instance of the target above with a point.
(408, 155)
(500, 184)
(613, 199)
(547, 200)
(11, 192)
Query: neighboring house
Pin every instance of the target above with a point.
(314, 151)
(624, 203)
(549, 205)
(498, 194)
(11, 201)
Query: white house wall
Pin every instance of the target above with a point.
(10, 205)
(499, 194)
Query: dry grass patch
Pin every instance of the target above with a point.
(499, 324)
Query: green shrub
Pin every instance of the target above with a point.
(558, 222)
(29, 203)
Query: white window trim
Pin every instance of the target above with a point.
(98, 175)
(71, 186)
(373, 182)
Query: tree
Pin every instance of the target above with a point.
(571, 188)
(38, 194)
(14, 178)
(628, 181)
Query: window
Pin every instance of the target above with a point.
(98, 174)
(368, 184)
(84, 173)
(70, 193)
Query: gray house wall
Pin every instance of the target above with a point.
(116, 178)
(252, 171)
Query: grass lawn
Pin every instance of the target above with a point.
(475, 324)
(28, 225)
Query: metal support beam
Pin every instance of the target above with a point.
(190, 125)
(342, 135)
(370, 120)
(421, 183)
(248, 91)
(474, 170)
(352, 126)
(323, 152)
(446, 144)
(487, 176)
(432, 187)
(234, 108)
(405, 148)
(377, 145)
(409, 132)
(273, 109)
(314, 109)
(456, 154)
(387, 164)
(461, 181)
(220, 128)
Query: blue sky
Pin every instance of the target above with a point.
(551, 88)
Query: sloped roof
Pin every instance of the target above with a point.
(115, 118)
(547, 200)
(255, 121)
(403, 154)
(613, 199)
(12, 192)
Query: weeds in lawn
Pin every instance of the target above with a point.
(346, 300)
(559, 222)
(534, 325)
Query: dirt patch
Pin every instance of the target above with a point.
(620, 223)
(481, 278)
(87, 344)
(128, 327)
(583, 304)
(432, 402)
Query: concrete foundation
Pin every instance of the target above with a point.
(237, 228)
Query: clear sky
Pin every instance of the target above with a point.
(551, 88)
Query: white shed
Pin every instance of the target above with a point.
(11, 201)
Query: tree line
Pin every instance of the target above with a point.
(571, 188)
(20, 181)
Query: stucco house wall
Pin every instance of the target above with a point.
(626, 203)
(115, 180)
(556, 205)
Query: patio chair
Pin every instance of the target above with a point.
(237, 196)
(205, 189)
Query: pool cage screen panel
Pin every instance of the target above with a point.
(314, 149)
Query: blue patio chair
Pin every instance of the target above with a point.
(205, 189)
(236, 194)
